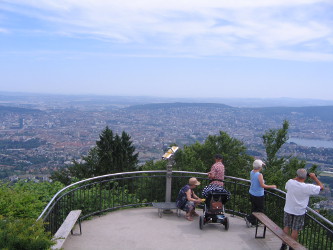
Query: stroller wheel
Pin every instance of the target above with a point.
(226, 223)
(201, 222)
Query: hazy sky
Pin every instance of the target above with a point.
(183, 48)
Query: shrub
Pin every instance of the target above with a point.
(23, 234)
(20, 205)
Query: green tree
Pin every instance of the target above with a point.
(200, 157)
(151, 165)
(280, 169)
(62, 175)
(237, 162)
(190, 158)
(129, 159)
(273, 140)
(115, 153)
(112, 154)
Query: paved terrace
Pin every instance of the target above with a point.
(142, 228)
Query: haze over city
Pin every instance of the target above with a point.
(227, 49)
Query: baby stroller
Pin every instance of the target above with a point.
(213, 211)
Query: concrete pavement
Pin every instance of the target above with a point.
(142, 229)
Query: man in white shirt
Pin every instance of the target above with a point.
(297, 199)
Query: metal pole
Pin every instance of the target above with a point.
(168, 180)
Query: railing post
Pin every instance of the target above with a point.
(168, 180)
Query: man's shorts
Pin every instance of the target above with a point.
(295, 222)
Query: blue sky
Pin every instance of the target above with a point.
(197, 48)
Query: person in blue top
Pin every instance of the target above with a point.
(256, 191)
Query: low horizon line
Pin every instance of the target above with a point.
(161, 97)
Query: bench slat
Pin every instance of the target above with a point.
(165, 205)
(162, 207)
(65, 228)
(278, 231)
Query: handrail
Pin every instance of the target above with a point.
(276, 189)
(311, 210)
(109, 192)
(320, 216)
(164, 171)
(91, 179)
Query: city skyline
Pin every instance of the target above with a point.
(41, 136)
(215, 49)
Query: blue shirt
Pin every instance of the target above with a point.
(255, 188)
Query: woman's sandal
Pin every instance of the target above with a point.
(189, 218)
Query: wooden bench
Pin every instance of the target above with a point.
(66, 227)
(267, 222)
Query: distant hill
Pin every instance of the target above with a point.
(9, 109)
(321, 112)
(31, 98)
(180, 105)
(272, 102)
(324, 113)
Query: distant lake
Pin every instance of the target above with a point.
(312, 143)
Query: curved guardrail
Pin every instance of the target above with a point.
(140, 188)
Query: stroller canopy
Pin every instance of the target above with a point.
(218, 190)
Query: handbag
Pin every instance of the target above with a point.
(216, 205)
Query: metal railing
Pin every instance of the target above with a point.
(140, 188)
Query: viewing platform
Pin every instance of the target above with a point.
(117, 213)
(142, 228)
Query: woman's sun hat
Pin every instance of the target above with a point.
(193, 181)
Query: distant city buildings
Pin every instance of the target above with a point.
(68, 131)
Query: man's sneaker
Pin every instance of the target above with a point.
(283, 246)
(248, 224)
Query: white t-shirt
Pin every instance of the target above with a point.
(297, 197)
